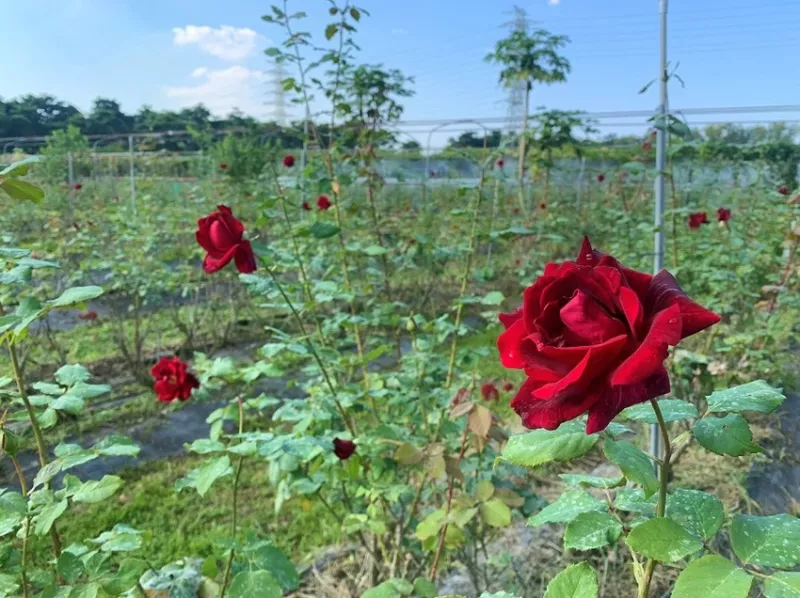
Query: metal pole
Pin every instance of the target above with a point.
(71, 179)
(661, 167)
(133, 172)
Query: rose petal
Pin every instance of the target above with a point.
(615, 399)
(589, 323)
(633, 310)
(245, 258)
(509, 344)
(664, 291)
(213, 263)
(552, 413)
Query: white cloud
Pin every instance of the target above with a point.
(223, 90)
(226, 42)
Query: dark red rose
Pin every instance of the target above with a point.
(489, 392)
(343, 449)
(323, 203)
(697, 219)
(173, 380)
(723, 214)
(784, 190)
(647, 146)
(543, 206)
(508, 386)
(89, 315)
(223, 166)
(288, 160)
(518, 262)
(77, 186)
(500, 162)
(601, 178)
(306, 206)
(220, 234)
(592, 336)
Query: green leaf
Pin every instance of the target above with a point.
(576, 581)
(331, 30)
(767, 541)
(210, 472)
(76, 295)
(48, 515)
(592, 530)
(672, 409)
(254, 584)
(273, 560)
(781, 585)
(122, 538)
(117, 446)
(495, 513)
(391, 588)
(729, 435)
(69, 403)
(89, 391)
(591, 481)
(375, 250)
(699, 512)
(662, 539)
(424, 588)
(19, 168)
(712, 576)
(542, 446)
(493, 298)
(324, 230)
(354, 12)
(69, 566)
(568, 506)
(69, 375)
(203, 446)
(95, 491)
(635, 465)
(754, 396)
(22, 190)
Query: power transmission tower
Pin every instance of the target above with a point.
(515, 101)
(278, 103)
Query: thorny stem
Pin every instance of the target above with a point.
(312, 349)
(37, 432)
(229, 564)
(23, 485)
(644, 587)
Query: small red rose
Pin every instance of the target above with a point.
(647, 146)
(306, 206)
(173, 380)
(288, 160)
(500, 162)
(77, 186)
(723, 214)
(489, 392)
(223, 166)
(591, 336)
(543, 206)
(508, 386)
(323, 203)
(91, 316)
(220, 234)
(784, 190)
(343, 449)
(697, 219)
(601, 177)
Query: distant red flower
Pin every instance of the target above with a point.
(220, 234)
(306, 206)
(784, 190)
(173, 380)
(543, 206)
(601, 177)
(77, 186)
(489, 392)
(223, 166)
(288, 160)
(518, 262)
(723, 214)
(343, 449)
(90, 223)
(647, 146)
(508, 386)
(500, 162)
(186, 175)
(91, 316)
(323, 203)
(697, 219)
(460, 396)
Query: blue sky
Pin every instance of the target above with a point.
(731, 52)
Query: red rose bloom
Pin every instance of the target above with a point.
(173, 380)
(543, 206)
(343, 449)
(288, 160)
(77, 186)
(89, 315)
(500, 162)
(784, 190)
(723, 214)
(323, 203)
(647, 146)
(306, 206)
(697, 219)
(489, 392)
(592, 336)
(223, 166)
(508, 387)
(220, 234)
(601, 178)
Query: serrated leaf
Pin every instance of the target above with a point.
(48, 515)
(254, 584)
(495, 513)
(279, 566)
(117, 446)
(493, 298)
(576, 581)
(662, 539)
(592, 530)
(69, 375)
(324, 230)
(699, 512)
(729, 435)
(712, 576)
(69, 403)
(542, 446)
(592, 481)
(672, 409)
(95, 491)
(767, 541)
(203, 446)
(755, 396)
(210, 472)
(635, 465)
(569, 505)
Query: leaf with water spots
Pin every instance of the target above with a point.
(663, 539)
(712, 576)
(767, 541)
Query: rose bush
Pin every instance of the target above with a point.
(592, 336)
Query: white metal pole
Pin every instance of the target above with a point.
(661, 166)
(133, 172)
